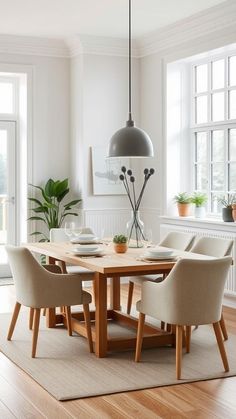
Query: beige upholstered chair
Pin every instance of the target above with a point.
(217, 247)
(38, 288)
(190, 295)
(174, 240)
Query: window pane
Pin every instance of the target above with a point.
(232, 71)
(201, 147)
(3, 164)
(216, 207)
(232, 176)
(232, 104)
(6, 97)
(201, 78)
(218, 176)
(218, 74)
(201, 177)
(201, 109)
(232, 144)
(218, 106)
(217, 145)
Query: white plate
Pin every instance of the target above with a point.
(159, 253)
(154, 257)
(88, 241)
(86, 248)
(77, 252)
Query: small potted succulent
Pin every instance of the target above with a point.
(120, 243)
(199, 199)
(183, 201)
(227, 203)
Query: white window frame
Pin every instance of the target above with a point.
(210, 125)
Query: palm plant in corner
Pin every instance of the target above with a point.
(49, 210)
(135, 227)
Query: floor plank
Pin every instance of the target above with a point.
(22, 397)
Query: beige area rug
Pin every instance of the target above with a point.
(66, 369)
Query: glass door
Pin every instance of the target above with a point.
(7, 192)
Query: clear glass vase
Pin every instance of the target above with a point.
(135, 230)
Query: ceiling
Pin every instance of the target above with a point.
(67, 18)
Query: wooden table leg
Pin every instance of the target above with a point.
(51, 317)
(50, 260)
(100, 315)
(115, 293)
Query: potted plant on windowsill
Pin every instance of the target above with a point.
(199, 199)
(183, 201)
(120, 243)
(227, 203)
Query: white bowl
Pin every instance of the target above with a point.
(159, 252)
(86, 248)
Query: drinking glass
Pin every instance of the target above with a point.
(69, 228)
(148, 237)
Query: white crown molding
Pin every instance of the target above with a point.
(99, 45)
(220, 17)
(27, 45)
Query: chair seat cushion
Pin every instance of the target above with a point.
(79, 270)
(142, 278)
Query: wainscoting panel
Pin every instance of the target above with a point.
(113, 221)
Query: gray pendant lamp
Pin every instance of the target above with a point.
(130, 141)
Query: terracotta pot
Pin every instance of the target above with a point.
(234, 211)
(120, 247)
(184, 209)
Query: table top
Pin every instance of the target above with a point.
(123, 264)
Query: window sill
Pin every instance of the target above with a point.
(214, 223)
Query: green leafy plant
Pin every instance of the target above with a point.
(50, 210)
(182, 198)
(199, 199)
(120, 239)
(227, 201)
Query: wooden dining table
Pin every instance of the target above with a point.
(114, 266)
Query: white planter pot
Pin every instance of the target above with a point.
(200, 212)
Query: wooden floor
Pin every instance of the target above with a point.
(22, 397)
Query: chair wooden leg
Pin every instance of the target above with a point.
(223, 327)
(88, 326)
(163, 325)
(31, 318)
(130, 296)
(13, 320)
(179, 345)
(168, 327)
(188, 338)
(35, 331)
(221, 346)
(94, 296)
(139, 337)
(68, 319)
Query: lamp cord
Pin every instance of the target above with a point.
(130, 116)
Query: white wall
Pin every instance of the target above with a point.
(50, 116)
(99, 87)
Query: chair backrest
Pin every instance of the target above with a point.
(213, 246)
(191, 294)
(177, 240)
(39, 287)
(28, 275)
